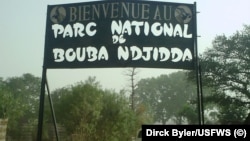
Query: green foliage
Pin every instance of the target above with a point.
(19, 97)
(166, 95)
(90, 113)
(189, 112)
(226, 69)
(6, 101)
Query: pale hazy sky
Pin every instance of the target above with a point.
(22, 34)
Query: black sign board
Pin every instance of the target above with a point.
(104, 34)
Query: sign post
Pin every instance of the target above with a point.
(41, 106)
(125, 33)
(198, 72)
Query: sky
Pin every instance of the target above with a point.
(22, 34)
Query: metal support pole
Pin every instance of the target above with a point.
(197, 67)
(41, 106)
(52, 110)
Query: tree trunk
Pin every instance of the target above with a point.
(3, 129)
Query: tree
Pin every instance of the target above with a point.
(226, 69)
(165, 95)
(6, 100)
(27, 89)
(189, 112)
(89, 112)
(19, 101)
(132, 73)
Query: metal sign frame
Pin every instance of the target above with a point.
(126, 33)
